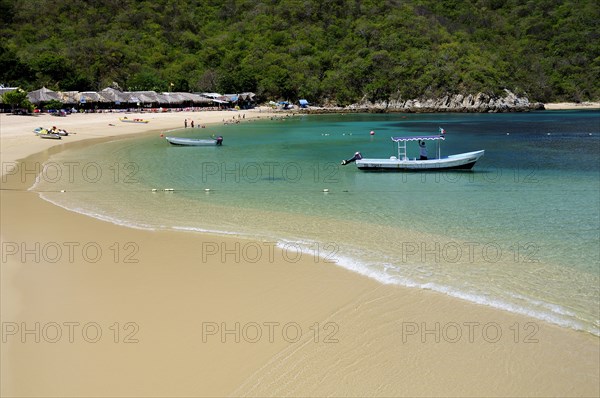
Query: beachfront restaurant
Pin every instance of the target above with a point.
(111, 98)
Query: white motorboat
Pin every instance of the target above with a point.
(461, 161)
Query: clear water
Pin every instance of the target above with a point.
(520, 232)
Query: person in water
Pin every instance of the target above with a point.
(423, 150)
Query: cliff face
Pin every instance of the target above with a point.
(481, 102)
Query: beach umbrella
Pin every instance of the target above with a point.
(42, 95)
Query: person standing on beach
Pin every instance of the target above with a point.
(192, 124)
(185, 123)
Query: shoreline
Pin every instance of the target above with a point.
(364, 316)
(428, 108)
(572, 105)
(18, 140)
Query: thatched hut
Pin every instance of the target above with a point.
(42, 95)
(113, 98)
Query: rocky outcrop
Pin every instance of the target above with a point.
(481, 102)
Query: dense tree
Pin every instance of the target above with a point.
(53, 104)
(335, 50)
(17, 99)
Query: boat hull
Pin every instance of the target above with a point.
(50, 136)
(463, 161)
(43, 133)
(191, 141)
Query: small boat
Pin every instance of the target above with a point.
(54, 130)
(135, 120)
(44, 133)
(50, 136)
(179, 141)
(461, 161)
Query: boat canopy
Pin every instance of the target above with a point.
(418, 137)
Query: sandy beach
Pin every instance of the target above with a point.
(90, 308)
(572, 105)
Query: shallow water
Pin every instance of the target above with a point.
(520, 232)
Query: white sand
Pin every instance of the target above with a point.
(572, 105)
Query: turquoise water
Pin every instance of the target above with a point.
(520, 232)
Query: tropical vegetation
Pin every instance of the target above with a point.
(17, 100)
(327, 51)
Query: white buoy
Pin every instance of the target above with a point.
(206, 189)
(326, 190)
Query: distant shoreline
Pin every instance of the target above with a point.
(571, 105)
(372, 109)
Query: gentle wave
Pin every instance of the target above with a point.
(207, 231)
(102, 217)
(553, 313)
(382, 271)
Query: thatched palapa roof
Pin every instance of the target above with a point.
(111, 95)
(42, 95)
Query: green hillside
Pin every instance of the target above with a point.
(322, 50)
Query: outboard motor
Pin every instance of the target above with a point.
(357, 156)
(220, 140)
